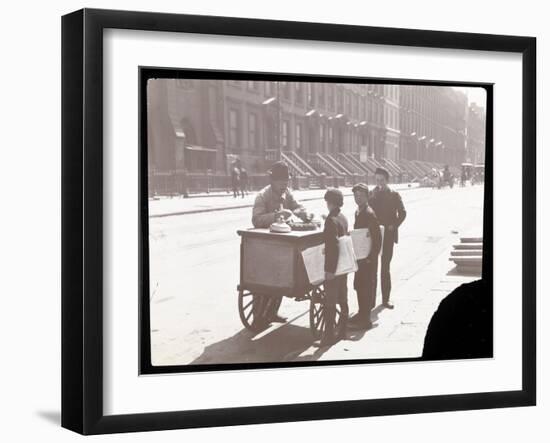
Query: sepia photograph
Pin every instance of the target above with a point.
(292, 221)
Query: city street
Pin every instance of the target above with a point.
(194, 272)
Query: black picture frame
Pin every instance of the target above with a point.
(82, 220)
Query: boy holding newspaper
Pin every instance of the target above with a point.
(366, 224)
(336, 290)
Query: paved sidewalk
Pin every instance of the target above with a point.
(401, 331)
(167, 206)
(195, 267)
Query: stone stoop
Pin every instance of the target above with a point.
(468, 255)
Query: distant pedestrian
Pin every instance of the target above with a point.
(236, 178)
(364, 282)
(243, 182)
(390, 212)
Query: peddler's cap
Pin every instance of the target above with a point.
(360, 187)
(383, 172)
(335, 197)
(279, 171)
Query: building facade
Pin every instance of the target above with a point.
(475, 134)
(433, 124)
(201, 125)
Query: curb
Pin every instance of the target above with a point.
(227, 208)
(248, 205)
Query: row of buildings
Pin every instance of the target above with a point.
(201, 125)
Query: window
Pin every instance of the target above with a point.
(299, 93)
(344, 102)
(298, 136)
(310, 95)
(252, 131)
(321, 88)
(285, 90)
(233, 128)
(330, 97)
(184, 83)
(284, 135)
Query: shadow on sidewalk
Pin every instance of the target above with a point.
(464, 272)
(283, 344)
(374, 313)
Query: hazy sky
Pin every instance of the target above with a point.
(475, 95)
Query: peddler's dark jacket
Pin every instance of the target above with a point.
(388, 207)
(336, 225)
(365, 218)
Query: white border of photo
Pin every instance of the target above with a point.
(125, 391)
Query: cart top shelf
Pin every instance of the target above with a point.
(265, 233)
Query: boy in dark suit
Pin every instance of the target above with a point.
(336, 289)
(390, 212)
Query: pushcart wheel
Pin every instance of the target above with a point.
(317, 321)
(252, 310)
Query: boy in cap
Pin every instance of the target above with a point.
(273, 201)
(336, 290)
(364, 282)
(390, 212)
